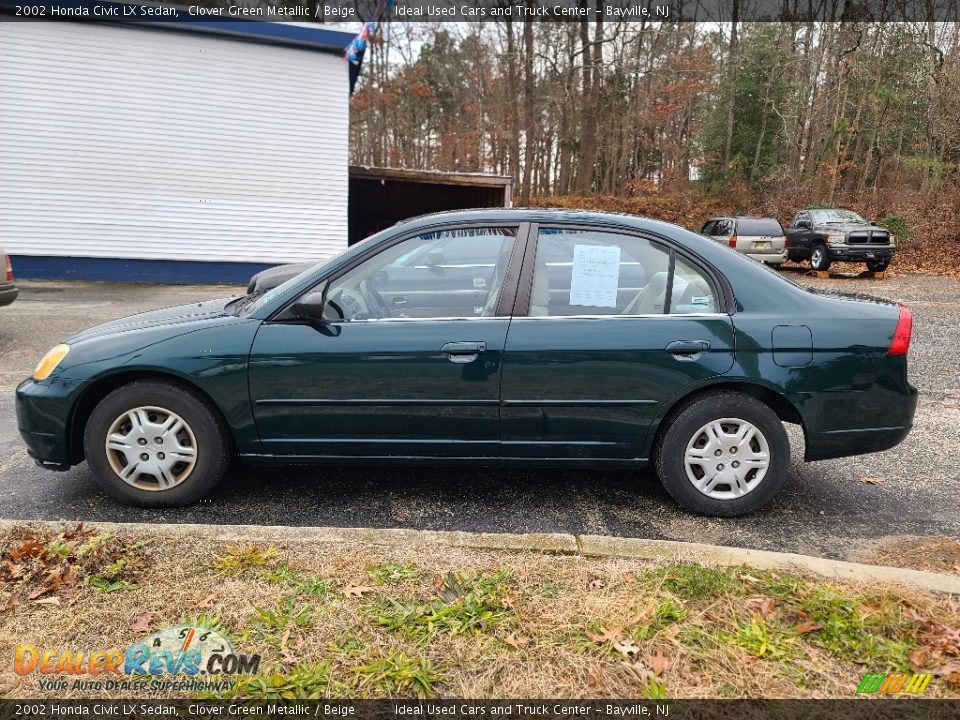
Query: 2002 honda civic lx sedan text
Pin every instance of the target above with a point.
(487, 337)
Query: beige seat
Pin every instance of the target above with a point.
(650, 300)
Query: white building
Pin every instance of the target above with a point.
(180, 152)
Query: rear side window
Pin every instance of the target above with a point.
(693, 291)
(758, 226)
(593, 272)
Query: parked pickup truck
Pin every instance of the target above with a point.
(827, 236)
(8, 291)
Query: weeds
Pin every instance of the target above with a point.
(388, 573)
(303, 682)
(299, 582)
(239, 560)
(396, 674)
(464, 607)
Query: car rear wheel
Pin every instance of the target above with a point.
(156, 444)
(878, 264)
(820, 258)
(722, 454)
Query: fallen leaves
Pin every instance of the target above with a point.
(870, 480)
(628, 648)
(350, 591)
(807, 626)
(143, 623)
(659, 662)
(516, 640)
(606, 634)
(207, 602)
(46, 568)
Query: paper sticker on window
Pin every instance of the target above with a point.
(596, 275)
(700, 300)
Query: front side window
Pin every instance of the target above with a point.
(455, 273)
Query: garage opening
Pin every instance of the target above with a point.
(380, 197)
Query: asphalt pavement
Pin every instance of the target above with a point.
(825, 509)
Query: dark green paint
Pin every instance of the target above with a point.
(545, 389)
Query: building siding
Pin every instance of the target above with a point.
(131, 143)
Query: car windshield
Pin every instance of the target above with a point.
(758, 226)
(827, 217)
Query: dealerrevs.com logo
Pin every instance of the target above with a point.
(197, 655)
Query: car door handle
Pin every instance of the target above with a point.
(687, 348)
(463, 352)
(399, 300)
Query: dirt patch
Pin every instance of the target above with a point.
(936, 554)
(351, 620)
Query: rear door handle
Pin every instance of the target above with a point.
(688, 347)
(463, 352)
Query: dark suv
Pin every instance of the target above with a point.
(827, 235)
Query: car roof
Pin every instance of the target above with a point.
(542, 215)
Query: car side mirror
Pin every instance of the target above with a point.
(314, 307)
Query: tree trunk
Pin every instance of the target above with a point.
(528, 133)
(732, 62)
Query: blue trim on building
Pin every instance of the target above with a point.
(171, 272)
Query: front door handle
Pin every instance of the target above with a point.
(687, 348)
(463, 352)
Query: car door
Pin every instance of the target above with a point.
(799, 232)
(381, 379)
(585, 374)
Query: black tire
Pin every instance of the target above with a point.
(878, 264)
(820, 257)
(683, 426)
(212, 441)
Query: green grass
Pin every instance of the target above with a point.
(271, 625)
(465, 607)
(302, 682)
(301, 583)
(396, 674)
(388, 573)
(693, 582)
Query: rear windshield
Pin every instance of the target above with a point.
(758, 226)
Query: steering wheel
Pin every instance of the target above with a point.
(374, 302)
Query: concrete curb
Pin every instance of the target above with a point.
(560, 543)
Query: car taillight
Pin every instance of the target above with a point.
(9, 269)
(733, 241)
(786, 241)
(900, 343)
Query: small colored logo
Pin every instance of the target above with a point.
(182, 650)
(893, 683)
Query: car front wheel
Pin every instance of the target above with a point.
(156, 444)
(722, 454)
(820, 258)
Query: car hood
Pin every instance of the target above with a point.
(849, 227)
(165, 317)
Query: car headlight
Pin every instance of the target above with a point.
(50, 361)
(835, 239)
(893, 240)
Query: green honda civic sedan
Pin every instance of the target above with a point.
(488, 337)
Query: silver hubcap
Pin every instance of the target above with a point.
(151, 448)
(727, 458)
(817, 256)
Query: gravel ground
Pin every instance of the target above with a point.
(824, 509)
